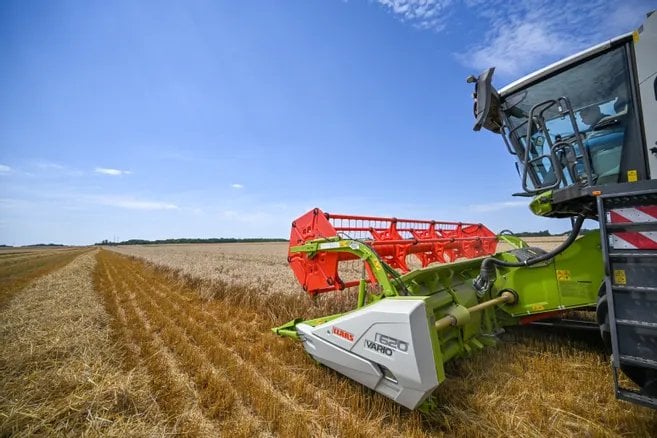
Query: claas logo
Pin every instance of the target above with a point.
(343, 334)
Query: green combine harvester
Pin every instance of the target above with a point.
(584, 135)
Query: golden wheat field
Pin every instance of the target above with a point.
(175, 340)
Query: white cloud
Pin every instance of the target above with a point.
(135, 204)
(237, 186)
(518, 48)
(112, 172)
(520, 37)
(423, 14)
(496, 206)
(4, 169)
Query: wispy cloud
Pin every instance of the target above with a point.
(237, 186)
(522, 36)
(518, 48)
(423, 14)
(496, 206)
(4, 169)
(111, 172)
(135, 204)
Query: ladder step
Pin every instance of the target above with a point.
(634, 323)
(635, 335)
(638, 361)
(617, 288)
(633, 396)
(631, 226)
(632, 254)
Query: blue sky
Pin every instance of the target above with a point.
(137, 119)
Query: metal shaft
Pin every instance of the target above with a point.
(449, 320)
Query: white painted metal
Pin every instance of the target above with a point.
(646, 62)
(385, 346)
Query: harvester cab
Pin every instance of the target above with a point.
(430, 291)
(581, 124)
(584, 135)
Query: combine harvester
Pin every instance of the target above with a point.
(584, 134)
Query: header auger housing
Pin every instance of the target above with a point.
(394, 240)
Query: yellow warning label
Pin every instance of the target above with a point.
(563, 275)
(619, 276)
(635, 37)
(632, 176)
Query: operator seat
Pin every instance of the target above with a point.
(605, 144)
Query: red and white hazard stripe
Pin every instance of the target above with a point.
(634, 240)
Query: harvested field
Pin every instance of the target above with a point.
(215, 366)
(19, 267)
(154, 350)
(60, 372)
(533, 384)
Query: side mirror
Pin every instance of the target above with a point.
(487, 102)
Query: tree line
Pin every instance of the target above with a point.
(546, 233)
(189, 240)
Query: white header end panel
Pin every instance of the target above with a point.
(385, 346)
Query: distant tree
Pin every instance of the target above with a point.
(192, 240)
(546, 233)
(543, 233)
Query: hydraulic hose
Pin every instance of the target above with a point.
(484, 281)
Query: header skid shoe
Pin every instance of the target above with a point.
(391, 238)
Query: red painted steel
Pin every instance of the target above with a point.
(634, 240)
(393, 239)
